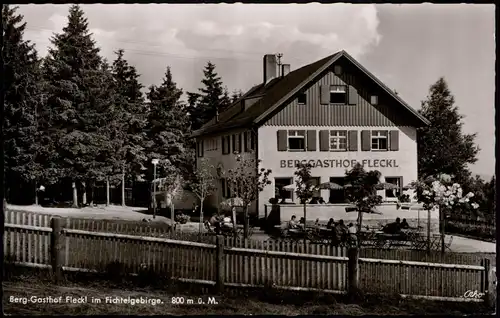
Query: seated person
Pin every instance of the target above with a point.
(321, 200)
(393, 228)
(215, 222)
(316, 223)
(341, 231)
(330, 224)
(292, 224)
(227, 222)
(302, 222)
(404, 224)
(314, 200)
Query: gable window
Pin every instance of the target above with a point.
(338, 140)
(296, 140)
(302, 98)
(337, 70)
(374, 99)
(338, 94)
(379, 140)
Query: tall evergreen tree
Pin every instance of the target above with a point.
(211, 100)
(168, 127)
(79, 110)
(130, 103)
(236, 95)
(22, 99)
(442, 147)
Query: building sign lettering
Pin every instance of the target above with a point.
(341, 163)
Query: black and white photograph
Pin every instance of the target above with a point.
(249, 159)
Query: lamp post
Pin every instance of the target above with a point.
(154, 162)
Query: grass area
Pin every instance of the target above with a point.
(25, 283)
(477, 231)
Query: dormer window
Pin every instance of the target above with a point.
(302, 98)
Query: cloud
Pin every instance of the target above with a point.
(235, 36)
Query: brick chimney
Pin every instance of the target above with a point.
(285, 69)
(270, 67)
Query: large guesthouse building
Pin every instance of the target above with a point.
(332, 113)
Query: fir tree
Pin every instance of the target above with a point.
(237, 94)
(22, 99)
(211, 99)
(130, 103)
(168, 126)
(442, 147)
(79, 110)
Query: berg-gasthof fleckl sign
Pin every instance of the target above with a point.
(341, 163)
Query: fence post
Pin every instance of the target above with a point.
(219, 264)
(353, 271)
(56, 247)
(486, 282)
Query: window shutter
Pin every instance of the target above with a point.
(233, 146)
(353, 140)
(325, 94)
(245, 141)
(282, 140)
(365, 140)
(324, 140)
(311, 140)
(353, 95)
(252, 141)
(394, 139)
(223, 145)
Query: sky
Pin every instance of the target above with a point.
(408, 46)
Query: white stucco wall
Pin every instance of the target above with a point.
(216, 158)
(405, 158)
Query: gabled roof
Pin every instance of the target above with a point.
(279, 90)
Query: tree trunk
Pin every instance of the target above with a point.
(441, 225)
(107, 191)
(36, 194)
(92, 185)
(245, 222)
(75, 195)
(201, 215)
(84, 194)
(305, 220)
(172, 213)
(428, 231)
(123, 186)
(235, 226)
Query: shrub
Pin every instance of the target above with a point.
(182, 218)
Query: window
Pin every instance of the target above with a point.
(279, 192)
(337, 195)
(338, 140)
(393, 193)
(226, 145)
(379, 140)
(252, 140)
(302, 98)
(226, 189)
(374, 99)
(337, 69)
(338, 94)
(296, 140)
(200, 148)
